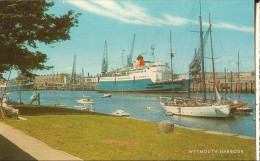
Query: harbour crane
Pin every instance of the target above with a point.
(130, 56)
(104, 60)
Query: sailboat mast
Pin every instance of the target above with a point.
(171, 64)
(202, 57)
(53, 86)
(58, 90)
(238, 77)
(225, 85)
(213, 67)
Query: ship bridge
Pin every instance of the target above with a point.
(158, 71)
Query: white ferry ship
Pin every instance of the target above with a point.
(142, 76)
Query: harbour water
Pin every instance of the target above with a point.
(136, 103)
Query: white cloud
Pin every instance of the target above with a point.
(176, 21)
(124, 12)
(127, 12)
(233, 27)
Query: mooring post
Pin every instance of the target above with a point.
(39, 103)
(231, 82)
(2, 113)
(189, 90)
(166, 127)
(20, 97)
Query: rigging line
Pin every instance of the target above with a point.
(226, 60)
(241, 67)
(189, 47)
(222, 47)
(189, 27)
(207, 7)
(186, 52)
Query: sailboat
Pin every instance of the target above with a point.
(34, 95)
(58, 92)
(85, 101)
(58, 104)
(240, 109)
(194, 107)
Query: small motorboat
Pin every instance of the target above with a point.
(148, 108)
(84, 108)
(106, 96)
(88, 109)
(79, 106)
(85, 100)
(244, 110)
(120, 113)
(60, 105)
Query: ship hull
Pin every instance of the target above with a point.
(143, 86)
(216, 111)
(18, 88)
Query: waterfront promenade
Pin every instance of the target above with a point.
(16, 145)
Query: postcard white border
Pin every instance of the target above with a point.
(257, 21)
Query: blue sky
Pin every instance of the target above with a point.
(151, 21)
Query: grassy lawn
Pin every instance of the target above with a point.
(91, 136)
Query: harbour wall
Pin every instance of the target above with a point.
(245, 87)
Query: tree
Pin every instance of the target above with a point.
(23, 24)
(194, 66)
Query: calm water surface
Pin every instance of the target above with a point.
(136, 104)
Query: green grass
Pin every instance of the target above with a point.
(92, 136)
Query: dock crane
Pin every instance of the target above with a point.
(130, 56)
(104, 60)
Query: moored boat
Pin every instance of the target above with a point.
(239, 104)
(34, 96)
(120, 113)
(106, 95)
(150, 77)
(11, 86)
(194, 107)
(148, 108)
(84, 108)
(244, 110)
(85, 100)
